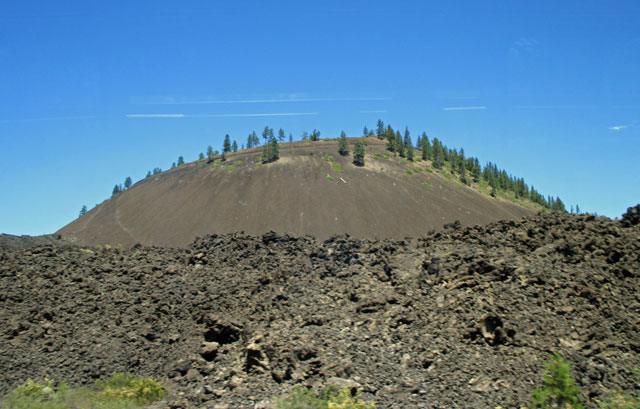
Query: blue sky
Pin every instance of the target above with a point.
(548, 90)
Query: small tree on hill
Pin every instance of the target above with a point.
(343, 145)
(315, 135)
(209, 152)
(358, 154)
(180, 161)
(148, 175)
(380, 129)
(234, 146)
(281, 135)
(201, 156)
(365, 131)
(116, 190)
(270, 151)
(83, 210)
(127, 182)
(226, 145)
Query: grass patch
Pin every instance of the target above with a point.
(259, 164)
(229, 168)
(331, 397)
(409, 172)
(457, 186)
(428, 170)
(428, 186)
(120, 391)
(418, 169)
(328, 158)
(329, 177)
(237, 162)
(337, 168)
(215, 165)
(377, 155)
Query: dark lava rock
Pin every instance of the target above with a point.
(461, 318)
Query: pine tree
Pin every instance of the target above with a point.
(315, 135)
(201, 156)
(358, 154)
(281, 135)
(127, 183)
(438, 155)
(83, 210)
(226, 145)
(365, 131)
(254, 138)
(577, 209)
(290, 137)
(156, 171)
(249, 141)
(399, 144)
(407, 137)
(234, 146)
(343, 145)
(180, 161)
(410, 153)
(116, 190)
(380, 129)
(270, 151)
(148, 174)
(209, 152)
(425, 147)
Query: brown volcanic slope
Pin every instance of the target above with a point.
(293, 195)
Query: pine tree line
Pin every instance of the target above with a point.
(468, 168)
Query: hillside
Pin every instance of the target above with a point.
(310, 190)
(461, 318)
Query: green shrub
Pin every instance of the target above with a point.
(337, 168)
(329, 177)
(118, 392)
(559, 390)
(409, 172)
(129, 387)
(237, 162)
(329, 398)
(229, 168)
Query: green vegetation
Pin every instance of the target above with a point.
(329, 177)
(358, 154)
(270, 151)
(428, 186)
(337, 168)
(329, 398)
(343, 145)
(237, 162)
(226, 145)
(409, 172)
(229, 168)
(121, 391)
(468, 169)
(215, 165)
(559, 390)
(83, 210)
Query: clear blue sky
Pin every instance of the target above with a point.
(554, 87)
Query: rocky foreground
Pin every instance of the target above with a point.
(462, 318)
